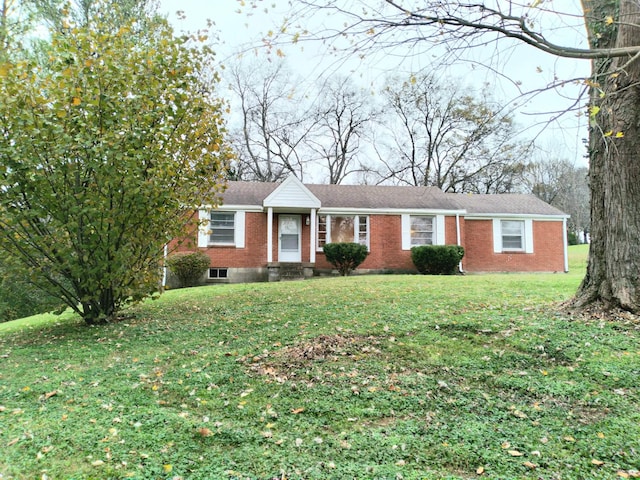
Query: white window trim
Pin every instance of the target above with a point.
(204, 229)
(438, 225)
(528, 235)
(356, 227)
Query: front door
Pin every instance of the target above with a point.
(289, 238)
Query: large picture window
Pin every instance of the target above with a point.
(343, 228)
(222, 226)
(421, 230)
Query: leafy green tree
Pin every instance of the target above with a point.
(103, 147)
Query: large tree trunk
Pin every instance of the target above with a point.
(613, 271)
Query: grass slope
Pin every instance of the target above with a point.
(358, 377)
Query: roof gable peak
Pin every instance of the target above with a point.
(291, 192)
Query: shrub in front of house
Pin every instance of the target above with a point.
(345, 257)
(437, 259)
(188, 267)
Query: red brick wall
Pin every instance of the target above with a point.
(254, 254)
(385, 237)
(547, 256)
(385, 246)
(450, 231)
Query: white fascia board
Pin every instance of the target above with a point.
(387, 211)
(516, 216)
(233, 208)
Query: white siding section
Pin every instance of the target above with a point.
(203, 228)
(292, 193)
(528, 235)
(406, 231)
(239, 229)
(439, 240)
(497, 236)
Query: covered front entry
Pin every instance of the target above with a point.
(289, 238)
(287, 207)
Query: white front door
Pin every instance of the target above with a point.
(289, 238)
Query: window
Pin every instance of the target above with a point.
(289, 233)
(343, 228)
(512, 235)
(421, 230)
(322, 230)
(221, 228)
(363, 230)
(216, 273)
(222, 225)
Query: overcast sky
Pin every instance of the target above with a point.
(528, 68)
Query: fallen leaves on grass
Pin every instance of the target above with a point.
(204, 432)
(282, 364)
(628, 473)
(48, 395)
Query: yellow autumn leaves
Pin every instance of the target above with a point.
(594, 110)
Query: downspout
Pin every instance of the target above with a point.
(459, 241)
(565, 245)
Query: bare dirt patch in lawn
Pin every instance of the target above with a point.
(306, 358)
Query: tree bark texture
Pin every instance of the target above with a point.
(613, 270)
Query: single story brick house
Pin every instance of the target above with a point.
(273, 231)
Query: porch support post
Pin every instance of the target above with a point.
(312, 234)
(269, 234)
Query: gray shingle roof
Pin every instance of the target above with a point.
(247, 193)
(379, 196)
(396, 197)
(508, 203)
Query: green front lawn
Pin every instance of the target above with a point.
(360, 377)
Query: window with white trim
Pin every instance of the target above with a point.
(222, 227)
(512, 235)
(342, 228)
(421, 230)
